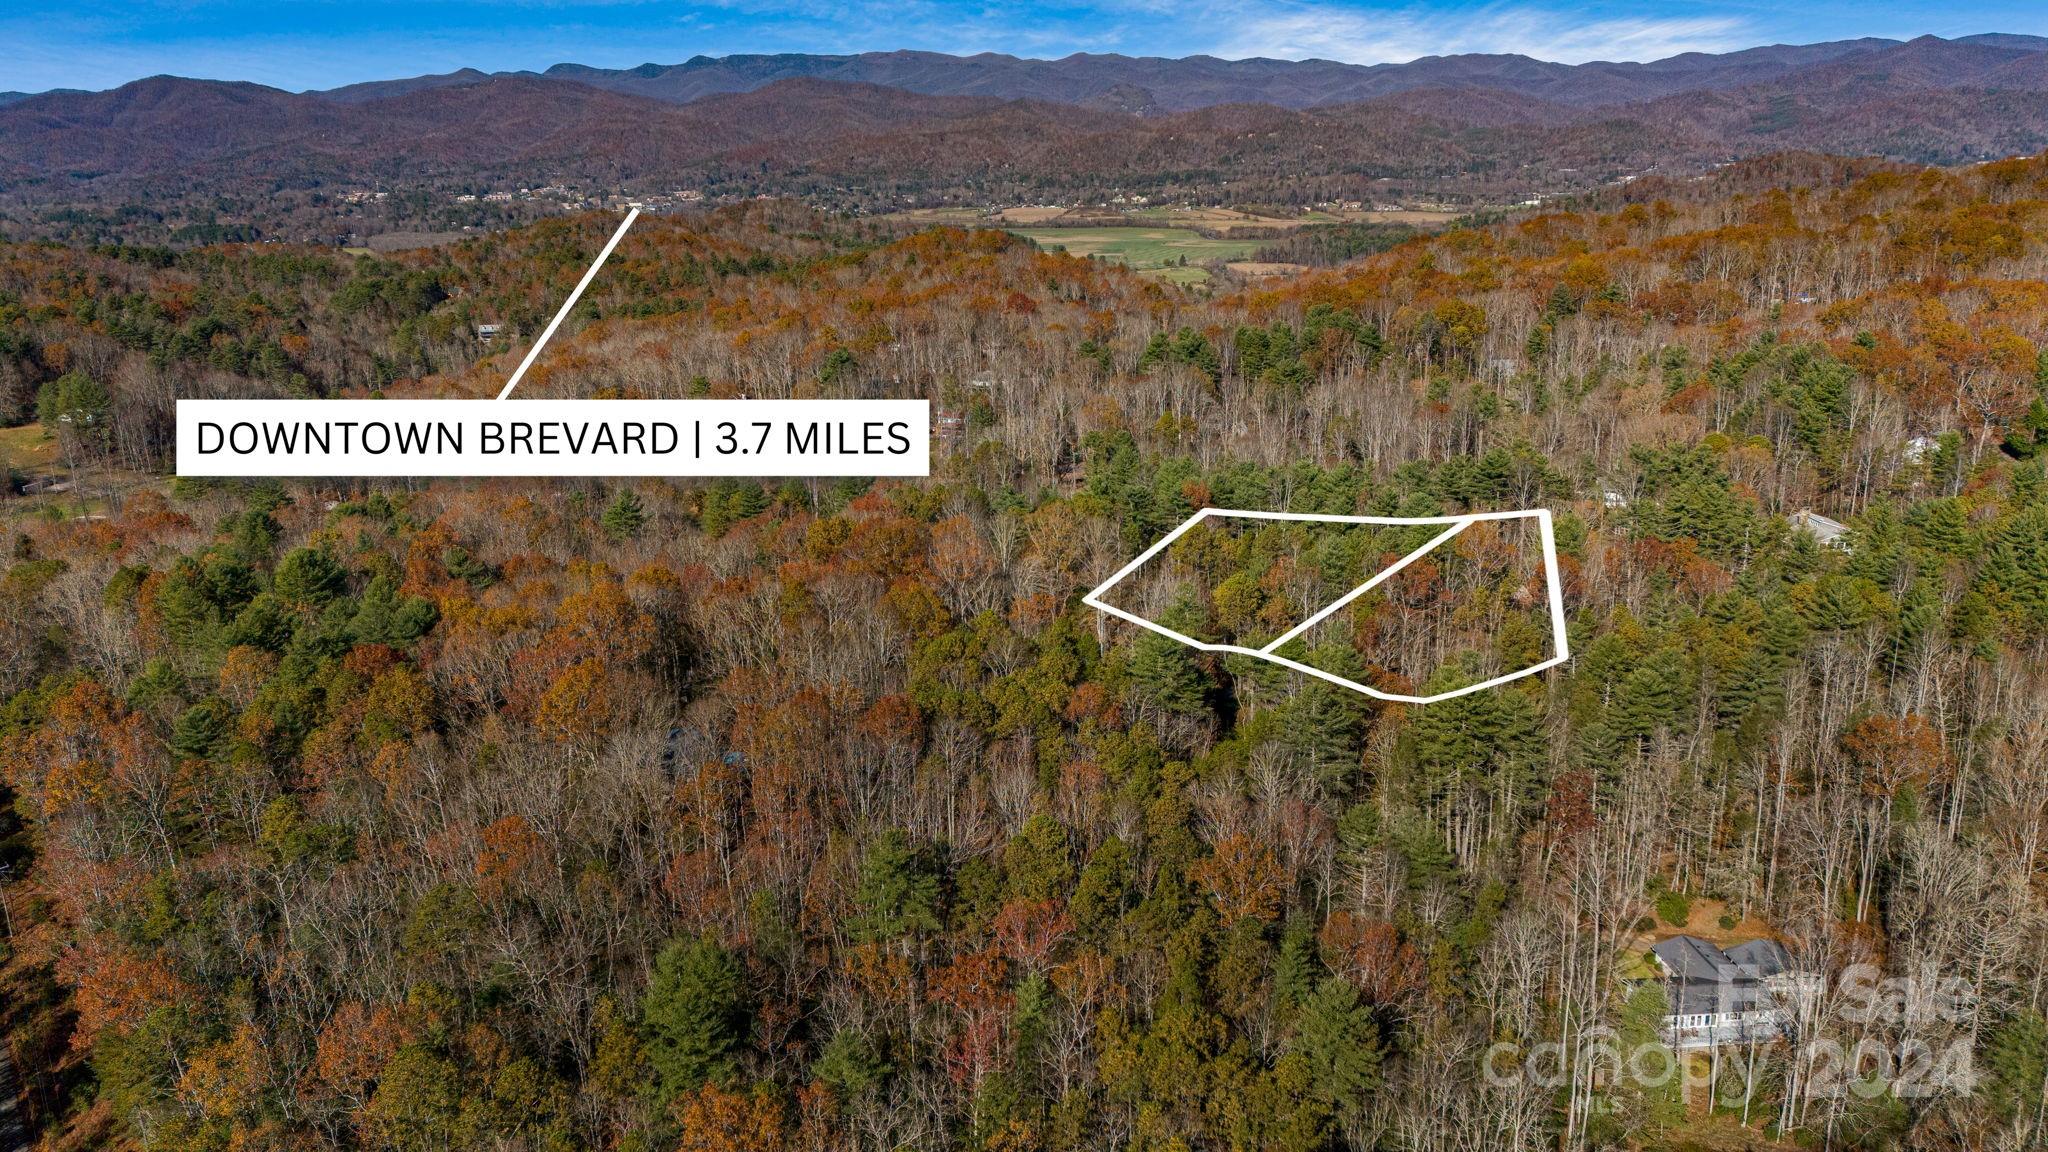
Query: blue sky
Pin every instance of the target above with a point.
(299, 44)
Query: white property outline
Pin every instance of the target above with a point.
(1560, 643)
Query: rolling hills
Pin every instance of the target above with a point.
(883, 130)
(1201, 81)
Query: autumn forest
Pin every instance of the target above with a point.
(823, 815)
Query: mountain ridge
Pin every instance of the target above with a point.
(1487, 130)
(1183, 83)
(165, 128)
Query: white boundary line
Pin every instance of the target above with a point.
(533, 353)
(1559, 641)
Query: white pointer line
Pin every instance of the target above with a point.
(534, 352)
(1384, 575)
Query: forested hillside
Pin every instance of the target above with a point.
(191, 161)
(823, 815)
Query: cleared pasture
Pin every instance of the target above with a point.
(1144, 249)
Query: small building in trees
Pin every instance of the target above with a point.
(1735, 996)
(1832, 533)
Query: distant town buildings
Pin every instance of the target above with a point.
(567, 199)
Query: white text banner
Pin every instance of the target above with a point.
(554, 438)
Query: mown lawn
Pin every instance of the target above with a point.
(27, 449)
(1144, 249)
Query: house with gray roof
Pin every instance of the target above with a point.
(1724, 997)
(1832, 533)
(1761, 959)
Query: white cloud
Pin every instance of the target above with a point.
(1295, 30)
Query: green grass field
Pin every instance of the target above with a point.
(1155, 250)
(1175, 274)
(26, 449)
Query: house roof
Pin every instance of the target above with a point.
(1705, 979)
(1822, 528)
(1760, 958)
(1700, 997)
(1689, 958)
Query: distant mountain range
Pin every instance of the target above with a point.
(889, 126)
(1203, 81)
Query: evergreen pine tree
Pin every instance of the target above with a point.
(897, 895)
(623, 518)
(1325, 723)
(1295, 969)
(2016, 1064)
(1101, 894)
(1166, 672)
(2015, 572)
(850, 1063)
(1941, 526)
(308, 578)
(693, 1017)
(1341, 1043)
(383, 617)
(1651, 1107)
(1039, 864)
(202, 730)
